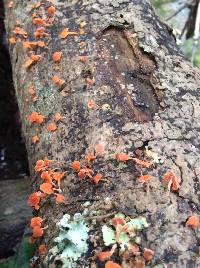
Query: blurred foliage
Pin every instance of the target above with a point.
(165, 8)
(159, 3)
(21, 259)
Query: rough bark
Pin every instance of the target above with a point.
(147, 95)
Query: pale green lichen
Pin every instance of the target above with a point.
(138, 223)
(71, 241)
(125, 235)
(108, 235)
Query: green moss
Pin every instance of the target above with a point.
(159, 3)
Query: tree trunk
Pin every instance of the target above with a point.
(135, 93)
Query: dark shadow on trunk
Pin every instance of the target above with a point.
(14, 171)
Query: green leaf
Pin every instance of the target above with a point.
(24, 253)
(9, 263)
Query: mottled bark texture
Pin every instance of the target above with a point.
(147, 95)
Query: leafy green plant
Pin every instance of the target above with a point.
(22, 257)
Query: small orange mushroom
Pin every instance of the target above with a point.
(42, 249)
(193, 221)
(52, 126)
(145, 178)
(41, 43)
(111, 264)
(106, 254)
(90, 157)
(122, 157)
(51, 10)
(28, 63)
(97, 178)
(47, 161)
(29, 45)
(91, 104)
(12, 40)
(46, 176)
(58, 176)
(85, 172)
(36, 221)
(39, 21)
(31, 90)
(37, 232)
(83, 58)
(36, 117)
(46, 188)
(35, 139)
(171, 180)
(66, 32)
(57, 56)
(118, 220)
(148, 254)
(34, 200)
(35, 57)
(40, 165)
(20, 31)
(60, 198)
(58, 81)
(40, 32)
(76, 165)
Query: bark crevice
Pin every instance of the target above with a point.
(136, 85)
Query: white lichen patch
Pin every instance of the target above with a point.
(71, 242)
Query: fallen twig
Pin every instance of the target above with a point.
(177, 12)
(98, 217)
